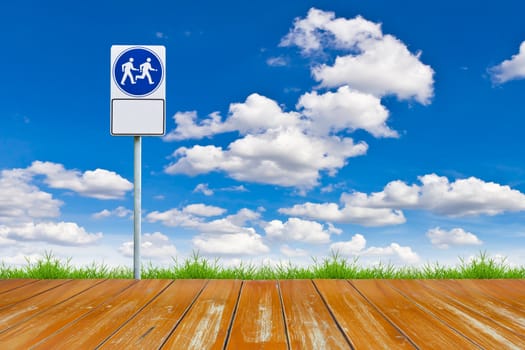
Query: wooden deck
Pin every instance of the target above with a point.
(234, 314)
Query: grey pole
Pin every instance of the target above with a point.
(137, 172)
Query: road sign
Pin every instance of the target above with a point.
(138, 108)
(138, 90)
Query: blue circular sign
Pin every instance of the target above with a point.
(138, 71)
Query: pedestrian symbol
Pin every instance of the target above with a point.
(140, 80)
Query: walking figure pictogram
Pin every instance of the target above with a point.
(127, 68)
(145, 69)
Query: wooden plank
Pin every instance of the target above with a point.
(27, 291)
(16, 313)
(510, 292)
(206, 324)
(151, 327)
(96, 326)
(484, 332)
(310, 325)
(7, 285)
(492, 308)
(37, 328)
(424, 330)
(259, 321)
(363, 325)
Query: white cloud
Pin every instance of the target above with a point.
(375, 63)
(406, 254)
(156, 246)
(188, 218)
(295, 148)
(119, 212)
(207, 191)
(299, 230)
(204, 189)
(345, 109)
(188, 129)
(356, 247)
(203, 210)
(385, 67)
(321, 28)
(276, 61)
(21, 200)
(230, 244)
(347, 214)
(457, 236)
(436, 194)
(98, 183)
(257, 114)
(191, 216)
(291, 252)
(282, 156)
(61, 233)
(511, 69)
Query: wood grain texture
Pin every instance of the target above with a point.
(456, 314)
(362, 323)
(14, 296)
(259, 322)
(7, 285)
(206, 325)
(151, 328)
(310, 325)
(510, 292)
(11, 315)
(423, 328)
(47, 323)
(491, 309)
(291, 314)
(102, 321)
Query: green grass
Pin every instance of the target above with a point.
(333, 267)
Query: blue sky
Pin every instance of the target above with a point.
(387, 131)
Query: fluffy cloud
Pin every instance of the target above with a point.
(291, 252)
(203, 210)
(257, 114)
(231, 244)
(192, 216)
(457, 236)
(295, 148)
(511, 69)
(356, 246)
(347, 214)
(119, 212)
(61, 233)
(276, 61)
(351, 247)
(374, 63)
(99, 183)
(321, 28)
(189, 216)
(152, 246)
(281, 156)
(345, 109)
(21, 200)
(299, 230)
(436, 194)
(204, 189)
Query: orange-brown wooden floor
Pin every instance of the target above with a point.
(234, 314)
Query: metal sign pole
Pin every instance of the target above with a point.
(137, 173)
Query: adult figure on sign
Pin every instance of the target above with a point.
(127, 68)
(145, 69)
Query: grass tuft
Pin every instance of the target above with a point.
(333, 267)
